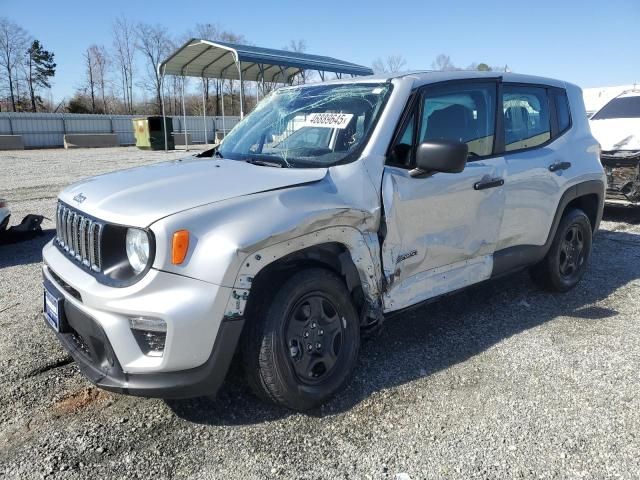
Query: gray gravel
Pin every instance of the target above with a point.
(500, 381)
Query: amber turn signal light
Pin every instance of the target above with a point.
(179, 246)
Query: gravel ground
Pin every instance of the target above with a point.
(500, 381)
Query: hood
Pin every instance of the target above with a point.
(142, 195)
(617, 133)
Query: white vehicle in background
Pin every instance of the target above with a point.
(5, 213)
(616, 126)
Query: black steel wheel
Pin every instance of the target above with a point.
(300, 348)
(314, 331)
(572, 251)
(566, 261)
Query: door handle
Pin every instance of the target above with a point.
(494, 182)
(554, 167)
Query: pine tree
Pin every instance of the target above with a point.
(40, 69)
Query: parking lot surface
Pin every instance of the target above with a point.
(500, 381)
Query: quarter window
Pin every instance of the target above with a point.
(562, 110)
(526, 117)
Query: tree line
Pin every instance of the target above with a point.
(397, 63)
(26, 69)
(122, 77)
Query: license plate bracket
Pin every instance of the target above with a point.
(53, 307)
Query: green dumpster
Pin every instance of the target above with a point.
(149, 133)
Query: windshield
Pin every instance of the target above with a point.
(310, 126)
(621, 107)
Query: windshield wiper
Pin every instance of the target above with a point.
(217, 153)
(267, 163)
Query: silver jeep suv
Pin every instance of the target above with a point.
(330, 206)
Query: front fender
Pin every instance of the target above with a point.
(226, 237)
(364, 249)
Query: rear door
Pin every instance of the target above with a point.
(442, 230)
(537, 162)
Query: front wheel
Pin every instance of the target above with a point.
(568, 256)
(300, 348)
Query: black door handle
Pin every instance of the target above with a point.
(554, 167)
(494, 182)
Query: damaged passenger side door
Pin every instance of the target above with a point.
(441, 229)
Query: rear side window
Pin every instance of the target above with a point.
(621, 107)
(526, 117)
(562, 110)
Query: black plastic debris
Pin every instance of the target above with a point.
(29, 228)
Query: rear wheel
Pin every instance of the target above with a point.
(568, 256)
(301, 348)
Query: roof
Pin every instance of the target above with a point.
(424, 77)
(204, 58)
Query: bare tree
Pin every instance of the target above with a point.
(155, 46)
(231, 37)
(305, 76)
(215, 86)
(443, 62)
(124, 46)
(209, 31)
(297, 46)
(13, 45)
(91, 78)
(392, 64)
(100, 60)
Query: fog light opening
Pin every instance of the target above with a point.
(150, 334)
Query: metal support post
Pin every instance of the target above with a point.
(184, 118)
(164, 116)
(204, 111)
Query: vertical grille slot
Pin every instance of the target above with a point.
(79, 237)
(76, 235)
(97, 246)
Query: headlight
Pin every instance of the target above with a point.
(137, 242)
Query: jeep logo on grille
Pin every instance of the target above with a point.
(80, 198)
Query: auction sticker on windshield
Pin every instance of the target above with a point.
(328, 120)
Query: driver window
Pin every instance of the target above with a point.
(464, 113)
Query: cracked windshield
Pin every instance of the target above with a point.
(313, 126)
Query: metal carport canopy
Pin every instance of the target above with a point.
(228, 61)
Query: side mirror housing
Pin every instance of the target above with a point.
(447, 156)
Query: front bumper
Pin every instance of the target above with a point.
(89, 346)
(200, 340)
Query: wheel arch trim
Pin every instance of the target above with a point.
(363, 248)
(517, 257)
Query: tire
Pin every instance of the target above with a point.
(301, 348)
(567, 259)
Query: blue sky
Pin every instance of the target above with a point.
(591, 43)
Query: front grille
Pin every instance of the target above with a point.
(80, 237)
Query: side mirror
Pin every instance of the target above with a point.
(447, 156)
